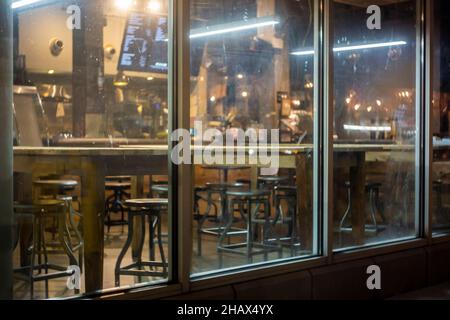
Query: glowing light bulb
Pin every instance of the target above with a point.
(123, 4)
(154, 6)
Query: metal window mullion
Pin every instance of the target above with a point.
(429, 87)
(318, 133)
(328, 127)
(181, 176)
(420, 190)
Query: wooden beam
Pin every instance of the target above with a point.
(88, 65)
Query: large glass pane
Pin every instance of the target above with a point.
(374, 122)
(252, 69)
(91, 115)
(440, 119)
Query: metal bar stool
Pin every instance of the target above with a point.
(40, 212)
(373, 190)
(249, 203)
(288, 195)
(143, 208)
(159, 191)
(270, 183)
(57, 189)
(220, 190)
(115, 203)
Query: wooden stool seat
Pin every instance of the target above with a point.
(118, 178)
(218, 187)
(248, 193)
(160, 188)
(291, 190)
(57, 183)
(272, 179)
(146, 203)
(111, 186)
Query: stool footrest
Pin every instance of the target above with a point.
(130, 270)
(256, 248)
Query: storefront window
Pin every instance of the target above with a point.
(375, 122)
(440, 120)
(252, 92)
(90, 136)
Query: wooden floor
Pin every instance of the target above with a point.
(114, 241)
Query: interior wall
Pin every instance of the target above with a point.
(35, 37)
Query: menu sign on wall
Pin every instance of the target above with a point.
(145, 44)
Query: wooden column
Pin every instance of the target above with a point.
(358, 182)
(88, 65)
(92, 206)
(6, 151)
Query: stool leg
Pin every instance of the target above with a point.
(108, 208)
(125, 248)
(153, 226)
(142, 240)
(250, 232)
(373, 209)
(62, 239)
(272, 228)
(348, 211)
(294, 226)
(34, 247)
(228, 223)
(160, 244)
(43, 247)
(80, 245)
(141, 245)
(202, 221)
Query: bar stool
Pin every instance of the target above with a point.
(246, 201)
(114, 204)
(143, 208)
(160, 190)
(212, 190)
(270, 183)
(373, 189)
(40, 211)
(287, 194)
(56, 189)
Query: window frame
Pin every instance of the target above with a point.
(323, 42)
(180, 221)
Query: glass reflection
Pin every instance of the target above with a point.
(440, 121)
(91, 168)
(374, 124)
(244, 76)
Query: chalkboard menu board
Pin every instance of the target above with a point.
(145, 44)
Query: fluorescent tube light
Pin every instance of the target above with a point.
(350, 127)
(233, 27)
(354, 48)
(23, 3)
